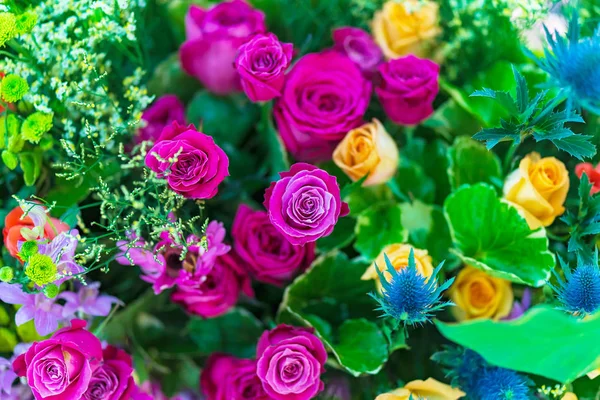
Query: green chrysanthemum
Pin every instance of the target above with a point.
(51, 291)
(35, 126)
(26, 22)
(6, 274)
(41, 269)
(8, 27)
(28, 249)
(14, 88)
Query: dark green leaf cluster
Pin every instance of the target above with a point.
(585, 221)
(534, 117)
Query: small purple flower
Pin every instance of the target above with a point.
(7, 377)
(359, 47)
(61, 250)
(88, 300)
(163, 267)
(519, 308)
(45, 313)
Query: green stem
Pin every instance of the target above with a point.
(508, 159)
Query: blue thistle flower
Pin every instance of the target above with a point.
(579, 293)
(480, 380)
(409, 297)
(573, 64)
(502, 384)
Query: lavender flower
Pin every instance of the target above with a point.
(45, 313)
(7, 377)
(519, 308)
(61, 250)
(87, 300)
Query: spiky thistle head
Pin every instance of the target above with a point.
(480, 380)
(407, 296)
(579, 292)
(573, 62)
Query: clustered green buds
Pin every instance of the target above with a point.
(51, 291)
(26, 22)
(41, 270)
(13, 88)
(28, 249)
(35, 126)
(8, 27)
(6, 274)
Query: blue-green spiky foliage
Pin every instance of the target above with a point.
(480, 380)
(579, 292)
(572, 62)
(409, 297)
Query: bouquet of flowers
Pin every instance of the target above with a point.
(294, 200)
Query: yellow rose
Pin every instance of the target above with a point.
(594, 374)
(479, 295)
(569, 396)
(538, 188)
(368, 149)
(398, 255)
(406, 27)
(429, 389)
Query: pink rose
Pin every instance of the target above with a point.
(216, 292)
(61, 367)
(200, 164)
(359, 47)
(113, 380)
(160, 114)
(305, 204)
(290, 363)
(213, 37)
(261, 63)
(267, 253)
(228, 378)
(324, 96)
(407, 90)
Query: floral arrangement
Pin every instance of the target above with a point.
(294, 200)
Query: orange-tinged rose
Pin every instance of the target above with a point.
(406, 27)
(368, 149)
(539, 188)
(398, 255)
(429, 389)
(479, 295)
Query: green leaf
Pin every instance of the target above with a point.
(31, 166)
(493, 136)
(227, 119)
(522, 90)
(503, 98)
(578, 146)
(169, 78)
(277, 158)
(342, 235)
(235, 333)
(411, 182)
(545, 342)
(361, 198)
(10, 159)
(332, 298)
(8, 340)
(377, 227)
(491, 235)
(470, 162)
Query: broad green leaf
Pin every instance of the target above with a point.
(333, 299)
(470, 162)
(545, 342)
(31, 166)
(491, 235)
(342, 235)
(360, 198)
(227, 119)
(411, 182)
(235, 333)
(8, 340)
(377, 227)
(428, 230)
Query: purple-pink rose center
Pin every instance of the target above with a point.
(54, 374)
(102, 385)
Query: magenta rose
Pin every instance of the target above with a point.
(325, 95)
(407, 89)
(61, 367)
(305, 204)
(213, 38)
(199, 167)
(359, 47)
(160, 114)
(228, 378)
(261, 63)
(213, 294)
(290, 363)
(269, 256)
(113, 380)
